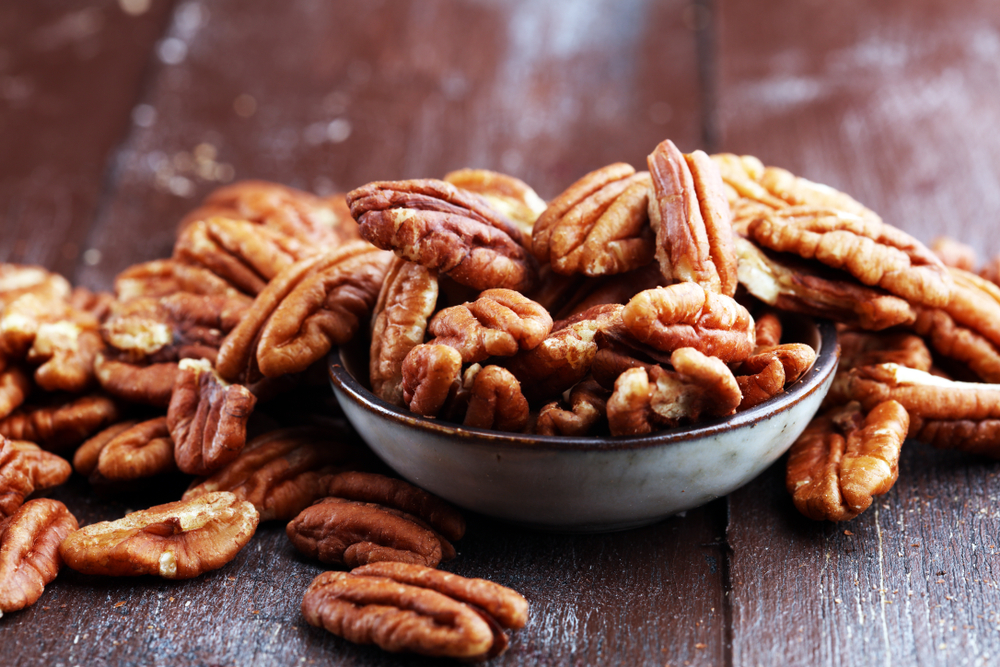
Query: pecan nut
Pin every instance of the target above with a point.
(16, 280)
(599, 225)
(15, 385)
(150, 384)
(23, 317)
(863, 348)
(345, 532)
(162, 277)
(510, 196)
(407, 300)
(587, 408)
(844, 458)
(446, 229)
(688, 315)
(24, 469)
(401, 607)
(431, 373)
(66, 353)
(59, 427)
(958, 342)
(132, 450)
(693, 223)
(29, 551)
(499, 323)
(207, 418)
(496, 401)
(178, 540)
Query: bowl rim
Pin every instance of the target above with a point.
(827, 358)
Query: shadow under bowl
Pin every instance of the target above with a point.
(586, 484)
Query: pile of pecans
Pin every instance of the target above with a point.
(632, 302)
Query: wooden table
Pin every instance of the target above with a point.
(113, 123)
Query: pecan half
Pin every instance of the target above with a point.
(430, 374)
(29, 551)
(759, 386)
(150, 384)
(140, 450)
(499, 323)
(496, 401)
(24, 469)
(178, 540)
(207, 418)
(401, 607)
(344, 532)
(446, 229)
(693, 223)
(407, 300)
(958, 342)
(22, 318)
(587, 408)
(15, 385)
(767, 329)
(862, 348)
(59, 427)
(599, 225)
(510, 196)
(688, 315)
(66, 353)
(162, 277)
(797, 287)
(16, 280)
(282, 472)
(844, 458)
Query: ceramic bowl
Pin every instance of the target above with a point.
(585, 484)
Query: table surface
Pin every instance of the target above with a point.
(117, 117)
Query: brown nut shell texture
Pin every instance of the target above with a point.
(178, 540)
(844, 458)
(446, 229)
(599, 225)
(24, 469)
(401, 607)
(29, 551)
(693, 223)
(688, 315)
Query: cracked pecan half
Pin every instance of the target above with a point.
(178, 540)
(22, 318)
(65, 352)
(60, 427)
(844, 458)
(599, 225)
(24, 469)
(207, 418)
(446, 229)
(688, 315)
(401, 607)
(29, 551)
(693, 223)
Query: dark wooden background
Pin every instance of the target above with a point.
(117, 117)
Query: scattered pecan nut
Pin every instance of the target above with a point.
(431, 373)
(24, 469)
(132, 450)
(16, 280)
(499, 323)
(446, 229)
(844, 458)
(59, 427)
(688, 315)
(693, 223)
(207, 418)
(600, 225)
(407, 300)
(29, 551)
(336, 531)
(401, 607)
(178, 540)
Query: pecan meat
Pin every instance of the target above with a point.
(16, 280)
(15, 385)
(496, 401)
(510, 196)
(150, 384)
(162, 277)
(59, 427)
(587, 408)
(24, 469)
(29, 551)
(431, 373)
(178, 540)
(138, 450)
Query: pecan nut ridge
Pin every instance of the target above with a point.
(24, 469)
(29, 551)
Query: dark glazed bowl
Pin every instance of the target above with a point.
(590, 484)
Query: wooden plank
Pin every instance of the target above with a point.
(327, 96)
(70, 74)
(889, 102)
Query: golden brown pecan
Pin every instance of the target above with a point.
(616, 289)
(142, 449)
(207, 418)
(151, 384)
(345, 532)
(767, 328)
(16, 280)
(758, 386)
(873, 252)
(29, 551)
(688, 210)
(401, 607)
(496, 401)
(66, 353)
(499, 323)
(957, 342)
(599, 225)
(59, 427)
(446, 229)
(587, 408)
(89, 453)
(407, 300)
(178, 540)
(325, 221)
(282, 472)
(844, 458)
(22, 318)
(688, 315)
(395, 493)
(162, 277)
(242, 253)
(954, 253)
(863, 348)
(313, 305)
(965, 435)
(510, 196)
(798, 287)
(564, 357)
(24, 469)
(15, 385)
(430, 374)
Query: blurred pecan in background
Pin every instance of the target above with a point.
(15, 385)
(162, 277)
(29, 551)
(510, 196)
